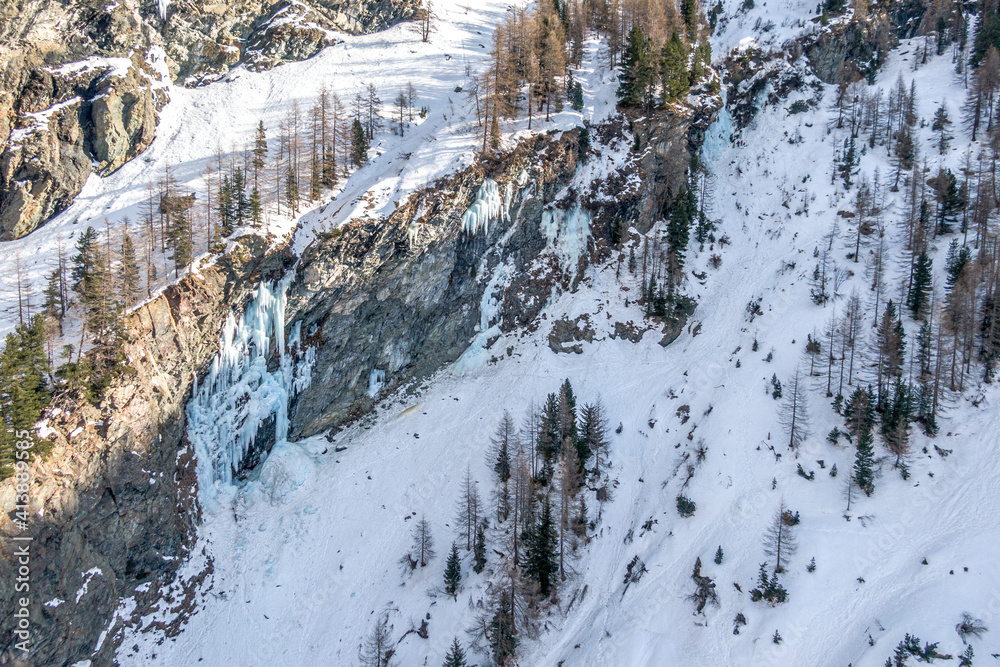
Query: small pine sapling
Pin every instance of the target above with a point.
(718, 555)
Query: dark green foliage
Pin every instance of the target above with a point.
(674, 79)
(256, 209)
(956, 262)
(180, 239)
(769, 589)
(950, 201)
(689, 10)
(129, 290)
(24, 391)
(864, 461)
(987, 31)
(455, 656)
(713, 15)
(225, 206)
(920, 287)
(549, 441)
(682, 213)
(637, 71)
(453, 572)
(500, 633)
(359, 143)
(685, 506)
(479, 550)
(849, 163)
(574, 90)
(718, 555)
(541, 563)
(85, 262)
(965, 660)
(940, 125)
(775, 387)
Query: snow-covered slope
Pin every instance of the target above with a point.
(305, 555)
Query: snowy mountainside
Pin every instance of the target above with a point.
(299, 562)
(310, 551)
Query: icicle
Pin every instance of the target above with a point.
(239, 394)
(486, 209)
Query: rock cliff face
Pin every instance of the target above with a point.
(408, 296)
(82, 81)
(114, 506)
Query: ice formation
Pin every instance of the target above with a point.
(567, 232)
(239, 394)
(376, 380)
(486, 209)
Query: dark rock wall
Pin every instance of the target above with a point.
(93, 502)
(116, 117)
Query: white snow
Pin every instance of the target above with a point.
(87, 576)
(307, 551)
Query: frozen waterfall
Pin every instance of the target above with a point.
(239, 395)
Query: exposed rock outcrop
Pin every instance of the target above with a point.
(422, 290)
(93, 115)
(113, 508)
(82, 81)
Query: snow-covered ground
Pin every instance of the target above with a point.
(224, 116)
(305, 557)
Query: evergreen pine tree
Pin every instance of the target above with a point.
(635, 69)
(453, 572)
(500, 632)
(479, 550)
(921, 286)
(359, 144)
(256, 209)
(674, 70)
(24, 391)
(940, 125)
(455, 656)
(541, 563)
(129, 289)
(864, 460)
(718, 555)
(259, 154)
(180, 239)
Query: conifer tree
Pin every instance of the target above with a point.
(479, 550)
(423, 542)
(593, 434)
(453, 572)
(469, 508)
(940, 125)
(864, 460)
(24, 391)
(794, 413)
(377, 650)
(500, 632)
(180, 239)
(779, 541)
(455, 656)
(636, 69)
(920, 287)
(549, 440)
(673, 70)
(259, 155)
(129, 289)
(540, 561)
(504, 442)
(359, 144)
